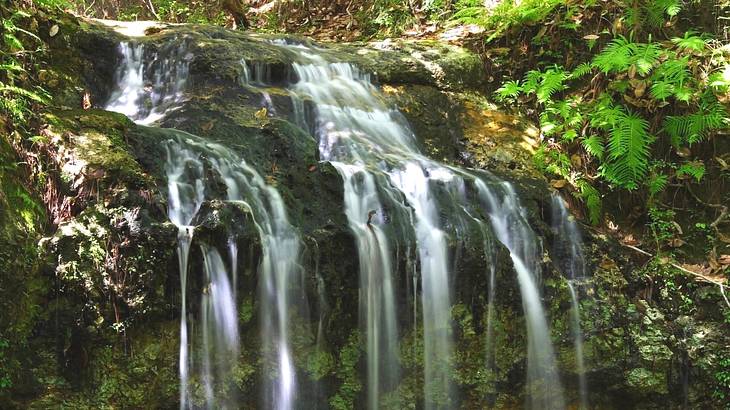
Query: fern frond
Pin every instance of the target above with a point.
(657, 183)
(31, 95)
(594, 146)
(531, 81)
(694, 169)
(692, 128)
(510, 89)
(552, 82)
(691, 41)
(592, 198)
(645, 56)
(628, 150)
(580, 71)
(616, 56)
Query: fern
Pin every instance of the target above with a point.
(594, 146)
(545, 84)
(510, 89)
(657, 183)
(693, 128)
(616, 56)
(628, 149)
(582, 70)
(39, 97)
(621, 54)
(695, 169)
(669, 79)
(591, 198)
(645, 56)
(691, 41)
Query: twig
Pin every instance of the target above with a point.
(685, 270)
(151, 7)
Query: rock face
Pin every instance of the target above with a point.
(107, 283)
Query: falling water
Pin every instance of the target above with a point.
(393, 196)
(150, 83)
(375, 154)
(188, 157)
(184, 201)
(279, 270)
(512, 230)
(568, 249)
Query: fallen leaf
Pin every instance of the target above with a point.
(676, 243)
(207, 126)
(558, 183)
(684, 152)
(53, 31)
(261, 114)
(724, 259)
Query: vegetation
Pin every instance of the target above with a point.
(629, 117)
(631, 99)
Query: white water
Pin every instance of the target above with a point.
(149, 84)
(364, 139)
(569, 249)
(184, 200)
(513, 231)
(383, 171)
(279, 271)
(149, 87)
(359, 136)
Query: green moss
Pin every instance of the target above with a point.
(347, 373)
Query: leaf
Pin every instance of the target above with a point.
(594, 146)
(691, 41)
(694, 169)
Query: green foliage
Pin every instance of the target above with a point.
(722, 377)
(694, 127)
(17, 98)
(505, 15)
(622, 54)
(654, 90)
(662, 225)
(628, 148)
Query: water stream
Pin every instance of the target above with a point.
(376, 154)
(398, 204)
(568, 248)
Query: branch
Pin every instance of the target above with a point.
(151, 8)
(685, 270)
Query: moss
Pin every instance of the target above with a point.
(347, 373)
(94, 142)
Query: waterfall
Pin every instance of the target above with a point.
(184, 201)
(399, 204)
(568, 249)
(188, 159)
(362, 139)
(150, 83)
(279, 271)
(513, 231)
(377, 157)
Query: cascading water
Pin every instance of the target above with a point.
(513, 231)
(150, 83)
(188, 159)
(376, 156)
(394, 197)
(355, 133)
(568, 246)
